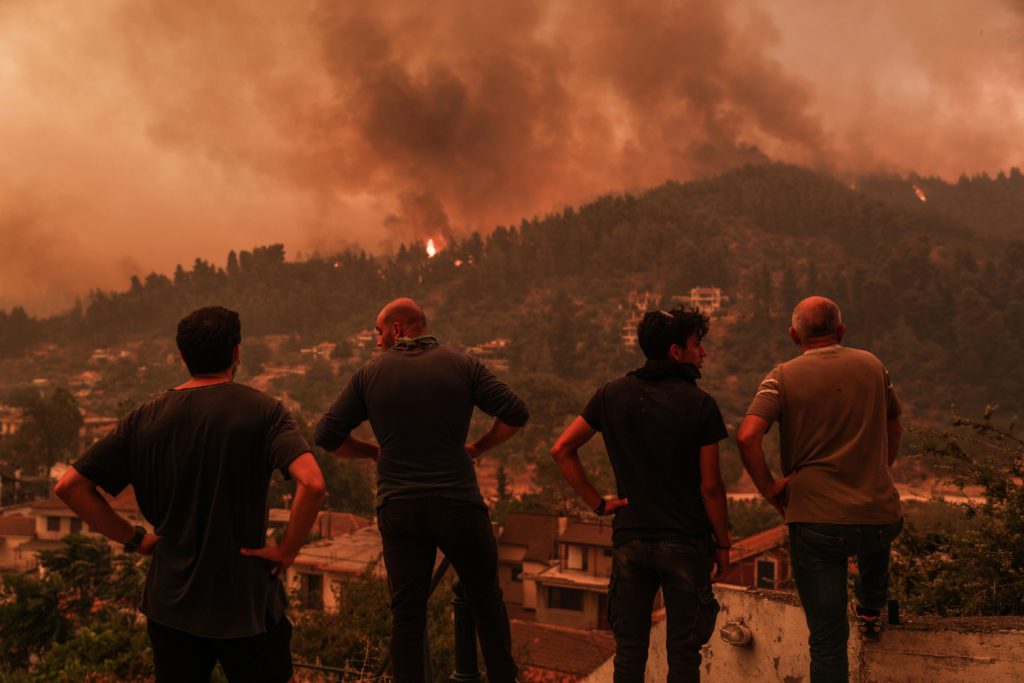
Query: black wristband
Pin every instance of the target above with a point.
(133, 545)
(599, 510)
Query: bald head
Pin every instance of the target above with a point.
(400, 318)
(817, 318)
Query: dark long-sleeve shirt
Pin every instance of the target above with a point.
(419, 402)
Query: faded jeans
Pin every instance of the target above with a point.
(682, 569)
(819, 555)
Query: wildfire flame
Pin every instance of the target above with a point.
(431, 249)
(920, 194)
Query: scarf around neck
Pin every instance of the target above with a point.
(424, 340)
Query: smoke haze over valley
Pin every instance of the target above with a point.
(138, 135)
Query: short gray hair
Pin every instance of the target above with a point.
(817, 317)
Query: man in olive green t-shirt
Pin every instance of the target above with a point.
(839, 433)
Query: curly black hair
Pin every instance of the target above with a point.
(659, 330)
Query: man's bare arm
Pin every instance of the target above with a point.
(80, 494)
(750, 439)
(566, 454)
(894, 429)
(309, 496)
(355, 448)
(498, 434)
(712, 489)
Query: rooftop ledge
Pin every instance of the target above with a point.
(923, 648)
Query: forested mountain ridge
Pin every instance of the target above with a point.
(988, 206)
(943, 307)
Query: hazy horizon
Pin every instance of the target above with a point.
(141, 135)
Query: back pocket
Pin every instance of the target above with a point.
(818, 538)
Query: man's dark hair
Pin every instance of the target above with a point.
(207, 339)
(659, 330)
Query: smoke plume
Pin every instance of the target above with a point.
(141, 134)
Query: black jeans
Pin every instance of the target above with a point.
(180, 657)
(819, 555)
(412, 530)
(682, 569)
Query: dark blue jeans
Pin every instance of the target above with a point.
(682, 569)
(819, 555)
(412, 530)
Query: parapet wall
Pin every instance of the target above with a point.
(987, 649)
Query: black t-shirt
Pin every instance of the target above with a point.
(200, 462)
(419, 402)
(653, 428)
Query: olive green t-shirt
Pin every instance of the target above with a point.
(833, 405)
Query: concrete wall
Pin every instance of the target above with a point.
(602, 563)
(598, 564)
(531, 569)
(296, 579)
(513, 589)
(64, 518)
(933, 650)
(587, 618)
(9, 556)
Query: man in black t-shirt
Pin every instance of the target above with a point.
(419, 397)
(671, 521)
(200, 458)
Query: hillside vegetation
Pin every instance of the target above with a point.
(942, 306)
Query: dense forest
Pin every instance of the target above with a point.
(942, 305)
(988, 206)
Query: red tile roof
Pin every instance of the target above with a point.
(534, 531)
(758, 543)
(38, 544)
(17, 525)
(124, 501)
(557, 648)
(330, 524)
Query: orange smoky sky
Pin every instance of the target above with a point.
(137, 135)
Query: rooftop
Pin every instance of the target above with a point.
(572, 579)
(328, 523)
(758, 543)
(534, 531)
(123, 502)
(556, 648)
(17, 525)
(41, 544)
(349, 553)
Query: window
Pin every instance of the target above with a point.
(766, 573)
(608, 552)
(312, 590)
(565, 598)
(76, 525)
(576, 557)
(53, 523)
(517, 571)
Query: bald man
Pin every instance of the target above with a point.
(839, 433)
(419, 397)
